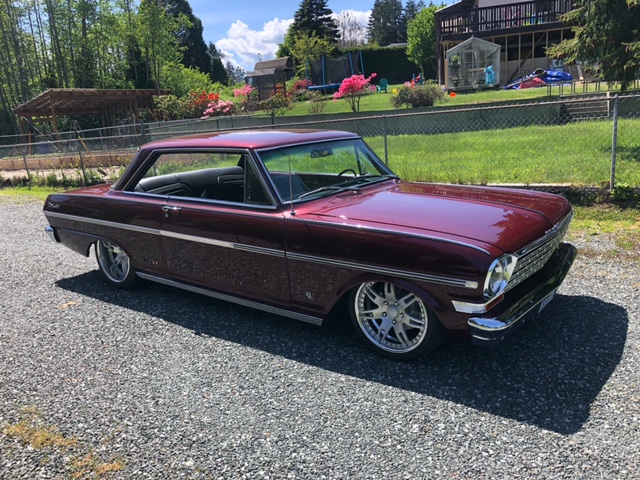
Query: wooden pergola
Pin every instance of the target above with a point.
(110, 105)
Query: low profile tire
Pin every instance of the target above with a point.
(393, 322)
(115, 265)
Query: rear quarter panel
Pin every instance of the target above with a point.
(84, 216)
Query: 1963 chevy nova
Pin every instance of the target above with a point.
(299, 223)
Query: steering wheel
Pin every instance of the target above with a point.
(347, 170)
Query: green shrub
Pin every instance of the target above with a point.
(418, 96)
(278, 104)
(623, 193)
(317, 102)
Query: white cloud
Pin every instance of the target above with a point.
(361, 17)
(244, 46)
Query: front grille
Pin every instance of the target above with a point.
(533, 257)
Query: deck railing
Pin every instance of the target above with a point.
(516, 15)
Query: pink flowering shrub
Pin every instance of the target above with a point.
(353, 89)
(245, 98)
(218, 108)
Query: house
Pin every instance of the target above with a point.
(523, 30)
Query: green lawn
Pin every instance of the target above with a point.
(576, 153)
(376, 102)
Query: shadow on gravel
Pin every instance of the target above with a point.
(548, 374)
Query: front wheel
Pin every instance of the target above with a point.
(115, 264)
(393, 321)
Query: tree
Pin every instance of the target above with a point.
(313, 18)
(411, 9)
(235, 73)
(607, 37)
(384, 23)
(158, 43)
(217, 71)
(421, 38)
(352, 32)
(310, 47)
(189, 35)
(285, 48)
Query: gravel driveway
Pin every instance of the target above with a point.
(159, 383)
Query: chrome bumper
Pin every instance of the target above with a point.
(52, 234)
(490, 330)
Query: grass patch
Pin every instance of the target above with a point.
(619, 223)
(28, 194)
(83, 462)
(29, 430)
(607, 218)
(576, 153)
(90, 465)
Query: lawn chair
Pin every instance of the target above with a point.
(382, 85)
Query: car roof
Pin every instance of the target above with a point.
(253, 139)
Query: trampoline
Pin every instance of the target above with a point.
(327, 74)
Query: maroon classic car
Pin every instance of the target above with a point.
(300, 223)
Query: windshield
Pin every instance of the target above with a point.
(303, 172)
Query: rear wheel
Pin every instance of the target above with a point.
(393, 321)
(115, 264)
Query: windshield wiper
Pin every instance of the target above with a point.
(376, 175)
(371, 178)
(329, 188)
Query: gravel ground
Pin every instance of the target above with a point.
(160, 383)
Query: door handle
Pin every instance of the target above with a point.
(168, 209)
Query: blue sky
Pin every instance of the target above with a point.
(246, 30)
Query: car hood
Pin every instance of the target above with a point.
(507, 219)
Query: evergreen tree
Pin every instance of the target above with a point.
(189, 35)
(385, 22)
(218, 72)
(411, 9)
(235, 73)
(313, 18)
(607, 36)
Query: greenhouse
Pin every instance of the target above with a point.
(473, 64)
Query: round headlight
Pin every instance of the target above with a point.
(499, 275)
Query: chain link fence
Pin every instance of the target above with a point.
(586, 140)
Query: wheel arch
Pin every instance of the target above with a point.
(79, 242)
(341, 303)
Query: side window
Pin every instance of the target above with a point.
(222, 176)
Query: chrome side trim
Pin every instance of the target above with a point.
(261, 250)
(169, 234)
(230, 298)
(387, 271)
(222, 244)
(277, 253)
(104, 223)
(393, 232)
(193, 238)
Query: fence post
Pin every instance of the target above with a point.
(143, 133)
(26, 167)
(84, 173)
(384, 136)
(614, 144)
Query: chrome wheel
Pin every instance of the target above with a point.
(392, 320)
(114, 264)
